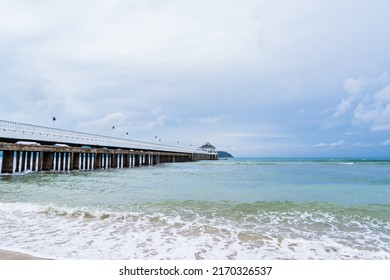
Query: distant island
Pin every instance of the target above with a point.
(223, 154)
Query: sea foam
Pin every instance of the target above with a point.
(87, 233)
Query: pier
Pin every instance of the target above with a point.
(29, 147)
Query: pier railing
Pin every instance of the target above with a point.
(28, 132)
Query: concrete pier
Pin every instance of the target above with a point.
(36, 148)
(20, 157)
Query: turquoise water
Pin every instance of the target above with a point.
(226, 209)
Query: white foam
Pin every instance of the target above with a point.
(81, 233)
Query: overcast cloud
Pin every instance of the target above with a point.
(253, 77)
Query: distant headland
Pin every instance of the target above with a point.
(223, 154)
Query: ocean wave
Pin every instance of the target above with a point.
(306, 161)
(200, 230)
(306, 211)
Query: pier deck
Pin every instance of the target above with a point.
(36, 148)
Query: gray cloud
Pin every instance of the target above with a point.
(375, 111)
(221, 67)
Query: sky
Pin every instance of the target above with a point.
(253, 77)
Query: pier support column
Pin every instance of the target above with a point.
(101, 160)
(17, 161)
(62, 161)
(82, 161)
(147, 160)
(58, 161)
(103, 164)
(114, 163)
(48, 160)
(66, 162)
(88, 162)
(91, 161)
(97, 161)
(40, 161)
(120, 161)
(126, 160)
(70, 161)
(108, 161)
(155, 159)
(29, 161)
(8, 162)
(23, 165)
(136, 160)
(104, 161)
(86, 166)
(76, 161)
(34, 166)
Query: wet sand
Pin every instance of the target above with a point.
(10, 255)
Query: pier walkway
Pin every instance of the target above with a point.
(38, 148)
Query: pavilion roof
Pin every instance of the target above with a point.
(207, 145)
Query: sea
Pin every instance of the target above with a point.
(239, 209)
